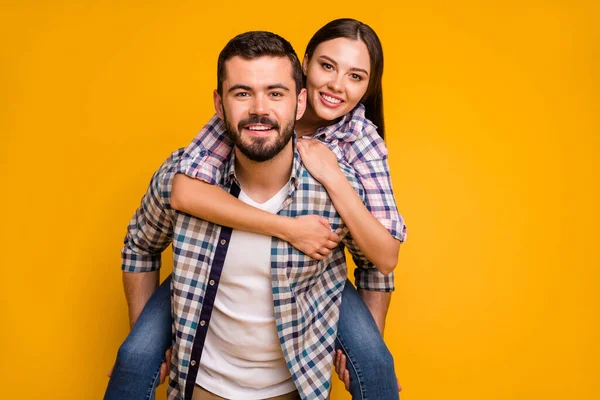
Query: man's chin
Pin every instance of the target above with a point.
(258, 155)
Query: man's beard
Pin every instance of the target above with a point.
(260, 149)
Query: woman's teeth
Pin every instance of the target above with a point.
(331, 99)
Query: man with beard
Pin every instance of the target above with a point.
(269, 330)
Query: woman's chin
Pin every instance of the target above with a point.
(329, 114)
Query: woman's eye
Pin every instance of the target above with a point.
(327, 66)
(356, 77)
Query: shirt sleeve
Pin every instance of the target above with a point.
(368, 155)
(374, 176)
(372, 279)
(151, 228)
(366, 275)
(205, 156)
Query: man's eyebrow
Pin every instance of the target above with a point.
(278, 86)
(239, 87)
(249, 89)
(332, 61)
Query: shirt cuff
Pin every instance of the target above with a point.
(373, 280)
(198, 167)
(135, 262)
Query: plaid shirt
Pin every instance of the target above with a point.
(306, 292)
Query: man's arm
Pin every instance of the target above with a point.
(138, 286)
(149, 233)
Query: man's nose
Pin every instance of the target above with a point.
(259, 106)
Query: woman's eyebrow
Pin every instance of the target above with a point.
(332, 61)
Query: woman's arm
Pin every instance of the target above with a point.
(374, 240)
(310, 234)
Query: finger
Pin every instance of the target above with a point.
(163, 372)
(337, 362)
(334, 237)
(317, 256)
(347, 380)
(343, 363)
(109, 373)
(331, 244)
(325, 251)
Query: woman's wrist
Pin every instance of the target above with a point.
(280, 227)
(332, 177)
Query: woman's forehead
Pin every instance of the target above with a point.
(348, 52)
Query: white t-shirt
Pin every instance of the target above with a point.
(242, 357)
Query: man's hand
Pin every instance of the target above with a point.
(164, 367)
(340, 368)
(312, 235)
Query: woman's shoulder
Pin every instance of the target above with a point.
(211, 139)
(363, 142)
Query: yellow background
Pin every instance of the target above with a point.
(493, 132)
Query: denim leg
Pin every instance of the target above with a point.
(370, 363)
(136, 372)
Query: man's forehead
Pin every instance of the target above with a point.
(264, 70)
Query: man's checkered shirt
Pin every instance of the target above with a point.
(306, 292)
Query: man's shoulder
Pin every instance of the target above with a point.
(174, 158)
(169, 167)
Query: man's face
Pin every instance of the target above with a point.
(259, 105)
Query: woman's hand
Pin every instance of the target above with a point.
(312, 235)
(318, 159)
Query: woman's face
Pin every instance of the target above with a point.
(337, 77)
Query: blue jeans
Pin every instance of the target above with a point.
(136, 372)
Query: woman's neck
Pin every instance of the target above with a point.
(309, 123)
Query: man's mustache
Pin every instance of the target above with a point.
(257, 120)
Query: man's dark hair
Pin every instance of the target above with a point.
(256, 44)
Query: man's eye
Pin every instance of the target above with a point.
(277, 94)
(241, 94)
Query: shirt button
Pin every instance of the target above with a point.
(211, 282)
(193, 363)
(223, 241)
(202, 323)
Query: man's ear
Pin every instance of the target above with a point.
(301, 107)
(305, 64)
(218, 104)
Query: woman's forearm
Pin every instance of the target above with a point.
(374, 240)
(214, 204)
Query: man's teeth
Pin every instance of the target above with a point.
(331, 99)
(259, 128)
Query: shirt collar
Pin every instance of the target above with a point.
(350, 128)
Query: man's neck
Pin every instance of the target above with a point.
(262, 180)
